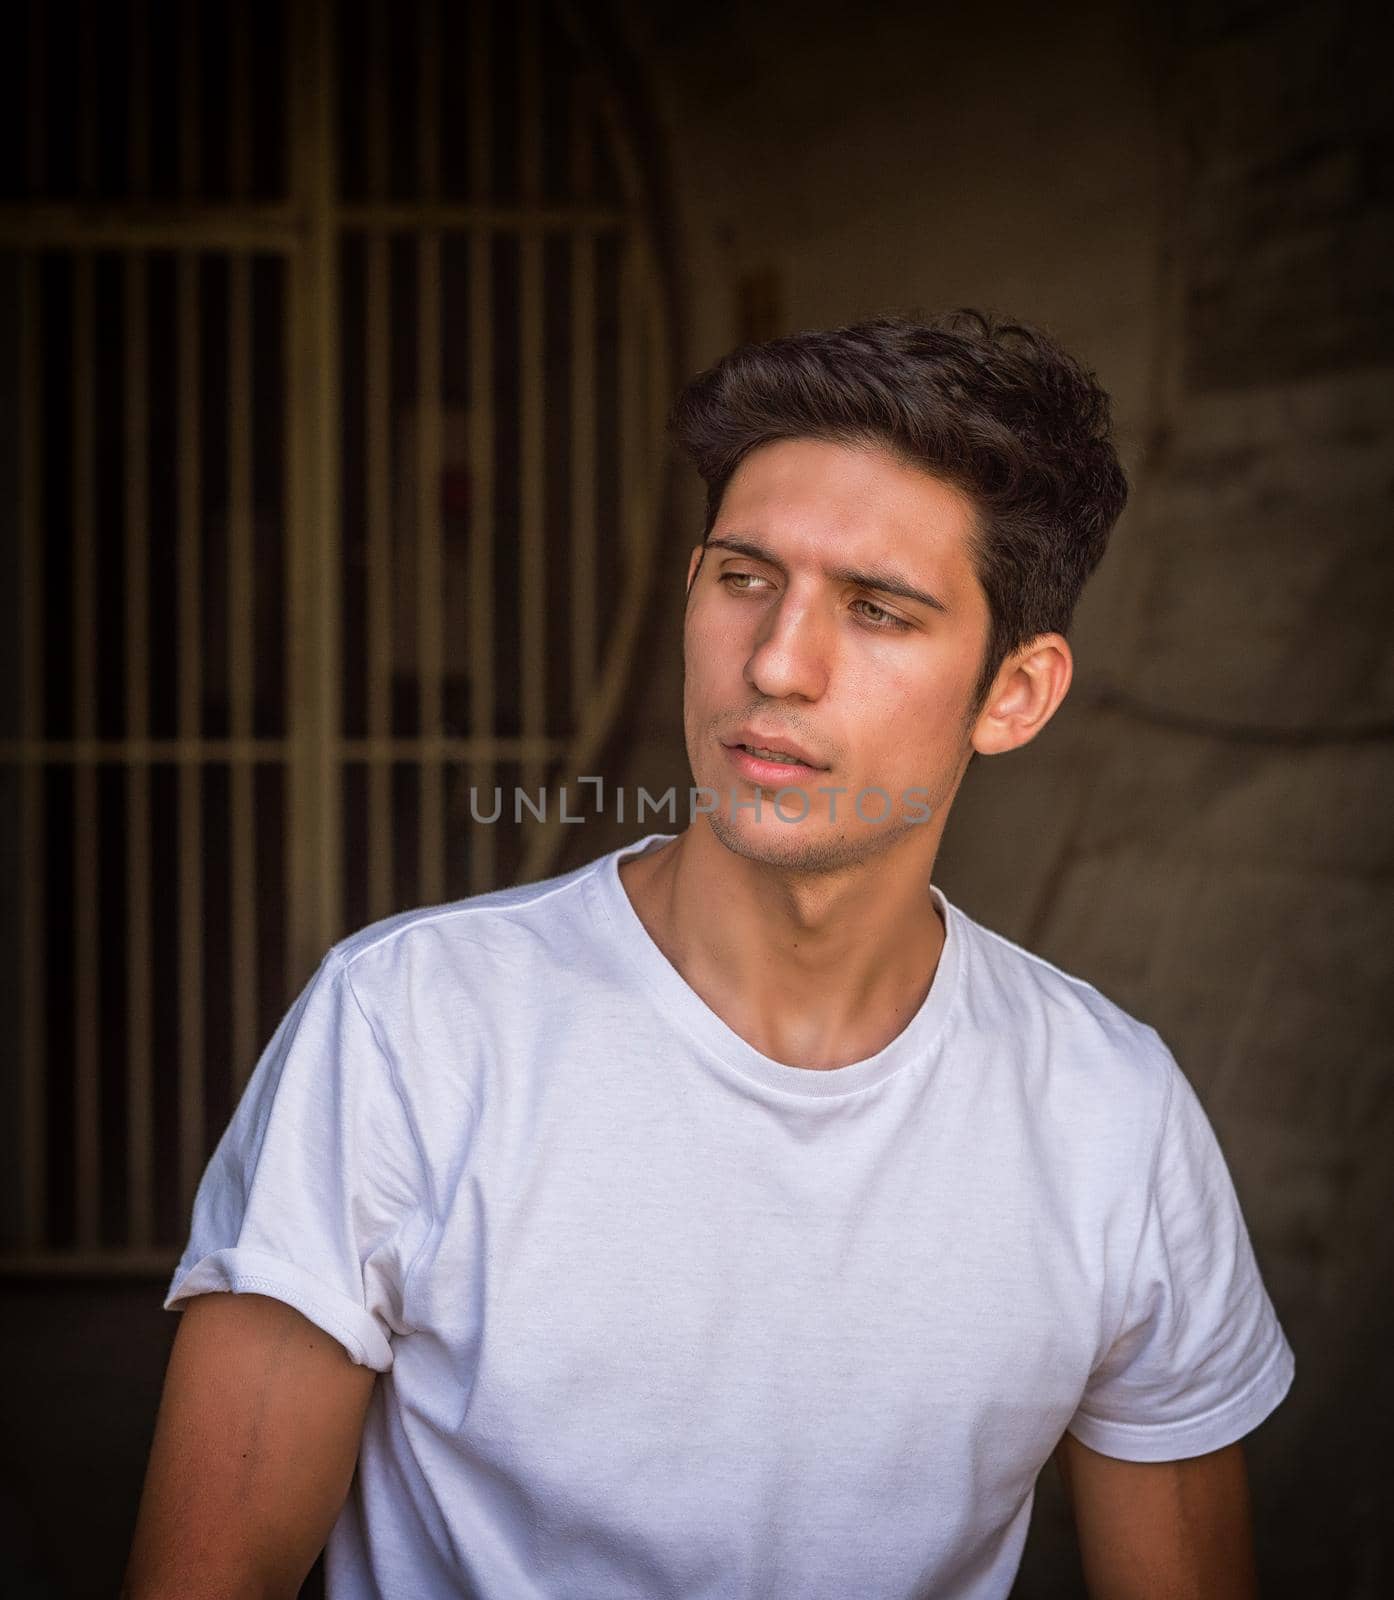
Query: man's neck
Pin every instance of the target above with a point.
(813, 970)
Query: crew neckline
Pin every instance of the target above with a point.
(680, 1002)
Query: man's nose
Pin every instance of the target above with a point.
(791, 654)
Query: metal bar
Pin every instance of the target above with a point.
(583, 481)
(241, 583)
(137, 749)
(454, 749)
(530, 109)
(429, 567)
(323, 253)
(312, 617)
(532, 593)
(139, 1024)
(300, 821)
(32, 753)
(275, 229)
(38, 109)
(86, 96)
(377, 398)
(634, 462)
(583, 433)
(481, 446)
(532, 466)
(459, 216)
(191, 1042)
(138, 112)
(190, 698)
(33, 1118)
(190, 83)
(157, 1264)
(239, 105)
(428, 104)
(644, 385)
(582, 114)
(86, 1065)
(640, 427)
(241, 577)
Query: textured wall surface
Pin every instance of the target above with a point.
(1203, 212)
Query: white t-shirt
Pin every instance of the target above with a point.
(658, 1317)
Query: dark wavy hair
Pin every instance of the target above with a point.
(994, 407)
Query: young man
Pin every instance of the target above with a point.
(734, 1215)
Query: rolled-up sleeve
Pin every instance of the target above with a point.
(316, 1193)
(1200, 1358)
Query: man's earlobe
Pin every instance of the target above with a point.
(1026, 698)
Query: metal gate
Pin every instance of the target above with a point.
(335, 351)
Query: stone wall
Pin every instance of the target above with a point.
(1201, 208)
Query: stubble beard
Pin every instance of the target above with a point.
(808, 847)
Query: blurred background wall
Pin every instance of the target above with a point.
(335, 348)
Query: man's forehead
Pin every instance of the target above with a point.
(852, 490)
(851, 514)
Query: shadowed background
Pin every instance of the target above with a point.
(334, 348)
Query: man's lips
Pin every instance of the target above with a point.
(773, 748)
(761, 769)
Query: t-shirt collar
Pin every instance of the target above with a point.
(916, 1042)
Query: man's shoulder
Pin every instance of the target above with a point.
(508, 925)
(1083, 1031)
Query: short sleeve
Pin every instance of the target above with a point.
(315, 1194)
(1199, 1359)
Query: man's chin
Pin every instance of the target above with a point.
(804, 846)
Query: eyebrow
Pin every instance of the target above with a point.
(882, 579)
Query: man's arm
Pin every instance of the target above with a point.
(1167, 1530)
(254, 1450)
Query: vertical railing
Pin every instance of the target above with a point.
(191, 579)
(313, 526)
(33, 909)
(241, 595)
(430, 654)
(644, 379)
(377, 394)
(139, 1091)
(481, 449)
(532, 465)
(583, 436)
(33, 906)
(172, 1029)
(87, 1154)
(140, 1082)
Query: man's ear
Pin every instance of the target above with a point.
(1026, 694)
